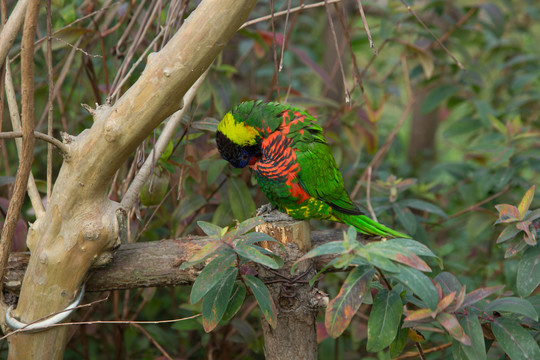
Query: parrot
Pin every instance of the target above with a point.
(292, 163)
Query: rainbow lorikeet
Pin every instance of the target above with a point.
(292, 163)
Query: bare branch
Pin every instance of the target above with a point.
(11, 29)
(38, 135)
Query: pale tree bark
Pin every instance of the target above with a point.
(80, 226)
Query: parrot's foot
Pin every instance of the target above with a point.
(276, 215)
(265, 209)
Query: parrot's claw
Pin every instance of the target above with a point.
(265, 209)
(275, 216)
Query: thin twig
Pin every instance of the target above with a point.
(413, 354)
(38, 135)
(368, 193)
(338, 53)
(27, 153)
(33, 193)
(293, 10)
(366, 27)
(458, 63)
(275, 80)
(420, 351)
(151, 338)
(50, 100)
(284, 36)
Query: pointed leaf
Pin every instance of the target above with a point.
(523, 206)
(397, 346)
(333, 247)
(528, 276)
(247, 225)
(513, 305)
(507, 213)
(216, 300)
(472, 327)
(210, 229)
(384, 320)
(264, 299)
(242, 204)
(509, 233)
(376, 260)
(530, 236)
(419, 284)
(421, 314)
(516, 342)
(448, 282)
(405, 217)
(251, 253)
(397, 252)
(212, 274)
(446, 301)
(205, 252)
(450, 323)
(255, 237)
(235, 301)
(341, 310)
(424, 206)
(437, 96)
(479, 294)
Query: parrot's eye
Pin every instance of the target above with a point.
(245, 157)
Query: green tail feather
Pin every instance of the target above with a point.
(367, 226)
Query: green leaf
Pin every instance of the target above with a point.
(528, 276)
(167, 152)
(507, 213)
(341, 310)
(247, 225)
(397, 346)
(423, 206)
(206, 251)
(255, 237)
(376, 260)
(384, 320)
(333, 247)
(437, 96)
(251, 253)
(242, 204)
(235, 302)
(212, 274)
(419, 284)
(265, 301)
(513, 305)
(216, 300)
(516, 342)
(210, 229)
(448, 282)
(406, 218)
(450, 323)
(472, 327)
(508, 233)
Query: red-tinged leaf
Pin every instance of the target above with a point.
(516, 342)
(396, 252)
(205, 252)
(341, 310)
(515, 248)
(528, 276)
(509, 233)
(322, 334)
(384, 320)
(446, 301)
(419, 315)
(212, 274)
(507, 213)
(216, 300)
(479, 294)
(451, 324)
(523, 206)
(529, 237)
(459, 301)
(210, 229)
(264, 299)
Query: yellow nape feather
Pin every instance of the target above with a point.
(237, 132)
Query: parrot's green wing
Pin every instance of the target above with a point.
(319, 174)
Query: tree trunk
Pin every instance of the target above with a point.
(80, 227)
(295, 336)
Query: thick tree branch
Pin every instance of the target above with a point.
(11, 29)
(149, 264)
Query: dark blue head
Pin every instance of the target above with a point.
(237, 155)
